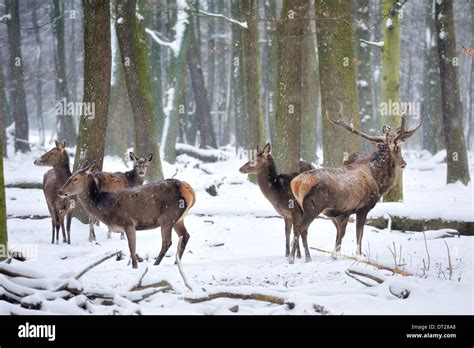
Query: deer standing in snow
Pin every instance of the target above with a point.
(164, 203)
(353, 188)
(53, 179)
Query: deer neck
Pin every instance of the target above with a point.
(267, 180)
(383, 169)
(92, 199)
(61, 169)
(133, 178)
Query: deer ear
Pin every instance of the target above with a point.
(149, 157)
(132, 156)
(56, 143)
(267, 148)
(258, 148)
(91, 167)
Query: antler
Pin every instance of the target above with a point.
(403, 133)
(341, 123)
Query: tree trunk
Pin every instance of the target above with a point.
(364, 71)
(116, 143)
(237, 79)
(309, 96)
(19, 109)
(174, 93)
(203, 114)
(66, 128)
(131, 37)
(431, 111)
(3, 213)
(391, 81)
(3, 115)
(337, 78)
(272, 67)
(39, 77)
(92, 127)
(251, 77)
(458, 168)
(291, 54)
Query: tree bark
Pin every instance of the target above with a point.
(431, 111)
(291, 54)
(19, 109)
(237, 79)
(309, 95)
(3, 115)
(130, 34)
(66, 128)
(92, 128)
(39, 76)
(364, 71)
(458, 168)
(252, 77)
(3, 214)
(337, 78)
(203, 112)
(391, 81)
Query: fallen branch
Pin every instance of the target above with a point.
(427, 252)
(178, 262)
(95, 264)
(366, 275)
(253, 296)
(161, 284)
(370, 263)
(138, 279)
(359, 280)
(450, 266)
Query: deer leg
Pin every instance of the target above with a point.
(298, 229)
(68, 225)
(341, 223)
(288, 224)
(91, 230)
(360, 222)
(304, 237)
(165, 242)
(296, 241)
(132, 245)
(62, 215)
(180, 229)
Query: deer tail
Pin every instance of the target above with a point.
(301, 185)
(189, 197)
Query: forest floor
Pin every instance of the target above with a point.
(237, 246)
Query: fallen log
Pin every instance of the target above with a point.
(403, 223)
(200, 154)
(237, 296)
(370, 263)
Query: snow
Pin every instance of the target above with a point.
(237, 245)
(442, 34)
(389, 23)
(364, 43)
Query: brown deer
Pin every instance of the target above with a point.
(145, 207)
(354, 188)
(110, 182)
(276, 188)
(53, 179)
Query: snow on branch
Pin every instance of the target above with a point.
(179, 28)
(364, 43)
(219, 15)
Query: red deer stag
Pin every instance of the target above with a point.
(145, 207)
(53, 179)
(110, 182)
(354, 188)
(276, 188)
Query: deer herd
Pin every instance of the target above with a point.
(125, 204)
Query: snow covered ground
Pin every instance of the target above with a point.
(237, 245)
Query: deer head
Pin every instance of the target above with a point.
(77, 182)
(53, 156)
(140, 165)
(260, 161)
(390, 140)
